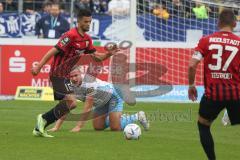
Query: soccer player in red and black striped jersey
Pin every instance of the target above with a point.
(221, 54)
(71, 48)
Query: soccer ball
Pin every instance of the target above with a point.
(132, 132)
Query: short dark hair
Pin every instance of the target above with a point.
(226, 18)
(56, 4)
(84, 13)
(46, 4)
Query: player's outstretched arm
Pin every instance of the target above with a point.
(192, 91)
(86, 113)
(35, 70)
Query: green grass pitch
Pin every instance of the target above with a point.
(173, 136)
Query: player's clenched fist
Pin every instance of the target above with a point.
(112, 48)
(192, 93)
(35, 70)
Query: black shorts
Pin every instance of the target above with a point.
(210, 109)
(61, 87)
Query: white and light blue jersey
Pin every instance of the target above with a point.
(101, 91)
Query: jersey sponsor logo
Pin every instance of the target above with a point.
(17, 63)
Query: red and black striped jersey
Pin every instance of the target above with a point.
(221, 53)
(72, 45)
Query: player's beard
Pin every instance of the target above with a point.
(85, 29)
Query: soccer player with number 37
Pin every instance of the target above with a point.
(221, 54)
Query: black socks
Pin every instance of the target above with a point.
(207, 141)
(55, 113)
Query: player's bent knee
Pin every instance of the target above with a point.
(98, 126)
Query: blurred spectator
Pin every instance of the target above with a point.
(100, 6)
(46, 8)
(64, 4)
(188, 5)
(161, 11)
(53, 25)
(83, 4)
(201, 11)
(28, 6)
(10, 6)
(119, 7)
(176, 8)
(214, 10)
(1, 8)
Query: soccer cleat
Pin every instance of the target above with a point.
(143, 120)
(36, 133)
(39, 134)
(40, 128)
(41, 123)
(45, 134)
